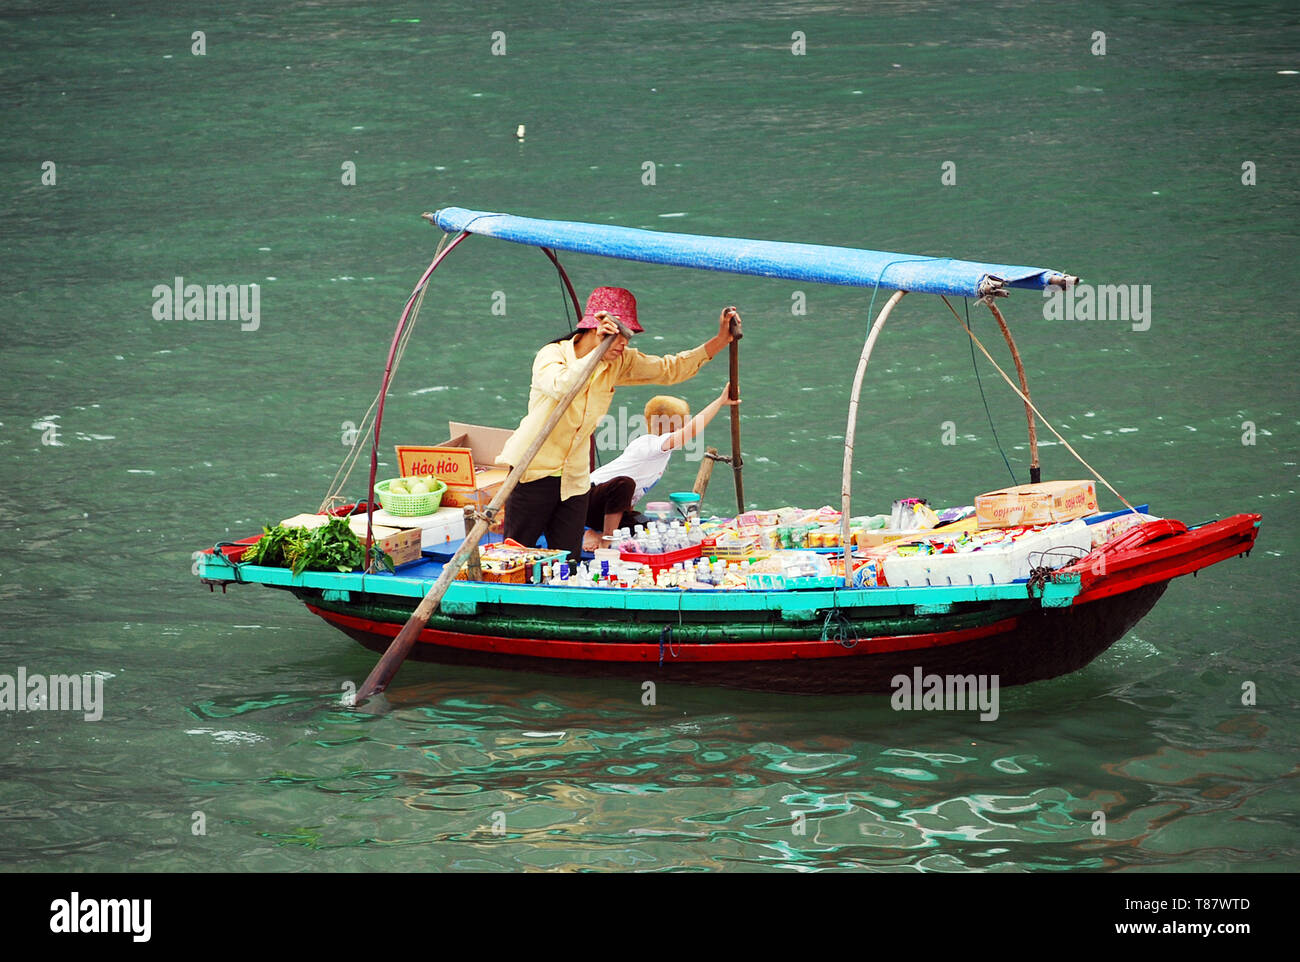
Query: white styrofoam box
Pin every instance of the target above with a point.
(1052, 547)
(445, 524)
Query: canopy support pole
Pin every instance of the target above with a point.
(573, 295)
(1035, 473)
(851, 429)
(388, 376)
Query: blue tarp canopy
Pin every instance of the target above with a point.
(813, 263)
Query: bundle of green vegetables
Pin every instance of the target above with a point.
(332, 547)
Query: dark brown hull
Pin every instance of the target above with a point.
(1041, 644)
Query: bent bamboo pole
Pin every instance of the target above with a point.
(1035, 474)
(852, 429)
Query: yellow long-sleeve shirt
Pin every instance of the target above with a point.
(555, 369)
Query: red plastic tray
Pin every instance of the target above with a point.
(658, 562)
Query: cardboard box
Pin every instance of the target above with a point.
(439, 528)
(1036, 504)
(401, 544)
(465, 462)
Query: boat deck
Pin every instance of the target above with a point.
(415, 578)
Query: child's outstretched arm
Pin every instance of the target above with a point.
(698, 423)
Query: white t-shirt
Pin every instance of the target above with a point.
(642, 461)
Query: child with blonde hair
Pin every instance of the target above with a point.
(617, 486)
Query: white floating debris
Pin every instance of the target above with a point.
(519, 131)
(228, 738)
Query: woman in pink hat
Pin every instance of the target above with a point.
(551, 498)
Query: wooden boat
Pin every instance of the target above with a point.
(826, 639)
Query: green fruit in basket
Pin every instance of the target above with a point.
(398, 487)
(419, 486)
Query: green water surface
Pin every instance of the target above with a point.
(168, 435)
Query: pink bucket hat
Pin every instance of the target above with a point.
(614, 300)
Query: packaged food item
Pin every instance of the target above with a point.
(949, 515)
(869, 574)
(1040, 503)
(910, 514)
(803, 564)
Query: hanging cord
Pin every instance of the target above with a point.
(1043, 572)
(881, 276)
(842, 628)
(344, 472)
(564, 299)
(980, 382)
(666, 641)
(234, 565)
(1093, 471)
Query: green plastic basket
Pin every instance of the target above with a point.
(410, 505)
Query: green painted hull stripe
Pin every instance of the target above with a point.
(534, 624)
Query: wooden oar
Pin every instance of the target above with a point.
(401, 645)
(736, 462)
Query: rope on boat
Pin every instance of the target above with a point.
(1043, 572)
(842, 629)
(666, 640)
(980, 382)
(344, 472)
(1038, 578)
(1095, 473)
(235, 565)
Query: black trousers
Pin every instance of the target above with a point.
(535, 509)
(608, 497)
